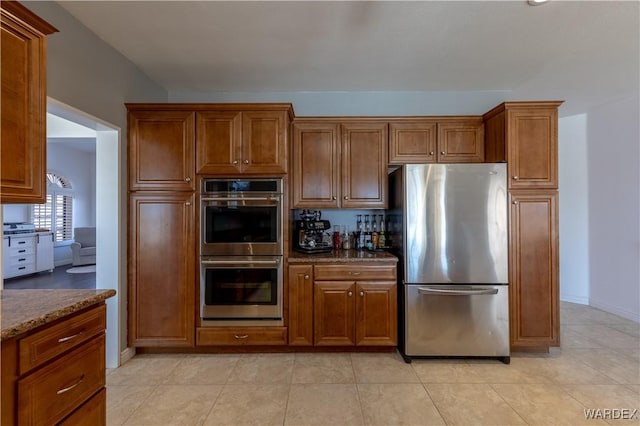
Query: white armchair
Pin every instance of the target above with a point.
(83, 250)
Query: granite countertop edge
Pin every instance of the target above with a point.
(30, 318)
(342, 256)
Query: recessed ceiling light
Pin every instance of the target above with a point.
(536, 2)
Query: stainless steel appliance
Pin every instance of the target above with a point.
(241, 217)
(241, 290)
(241, 248)
(449, 229)
(308, 233)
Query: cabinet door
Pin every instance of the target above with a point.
(44, 252)
(412, 142)
(461, 141)
(301, 305)
(264, 142)
(364, 165)
(376, 313)
(161, 152)
(23, 105)
(532, 146)
(334, 313)
(315, 165)
(161, 269)
(218, 139)
(533, 254)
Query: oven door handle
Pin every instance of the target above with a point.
(240, 262)
(450, 292)
(241, 199)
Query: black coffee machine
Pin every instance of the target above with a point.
(309, 233)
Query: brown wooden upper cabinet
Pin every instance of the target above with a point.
(24, 104)
(243, 142)
(525, 135)
(459, 140)
(339, 164)
(161, 150)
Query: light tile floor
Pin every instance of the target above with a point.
(597, 367)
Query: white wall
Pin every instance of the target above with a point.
(574, 209)
(614, 206)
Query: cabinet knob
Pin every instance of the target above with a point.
(515, 202)
(442, 153)
(362, 294)
(334, 198)
(188, 203)
(346, 197)
(350, 294)
(431, 153)
(245, 162)
(187, 179)
(515, 178)
(235, 161)
(306, 277)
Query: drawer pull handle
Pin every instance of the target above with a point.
(66, 339)
(22, 242)
(241, 336)
(67, 389)
(22, 267)
(22, 251)
(354, 273)
(22, 259)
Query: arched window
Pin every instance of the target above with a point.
(57, 213)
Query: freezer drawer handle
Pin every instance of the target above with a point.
(449, 292)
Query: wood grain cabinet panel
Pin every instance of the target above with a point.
(334, 310)
(355, 306)
(162, 276)
(300, 305)
(161, 150)
(23, 102)
(315, 165)
(91, 413)
(525, 135)
(461, 141)
(241, 336)
(350, 172)
(239, 142)
(412, 142)
(533, 254)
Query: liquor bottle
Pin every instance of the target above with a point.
(367, 232)
(359, 234)
(382, 237)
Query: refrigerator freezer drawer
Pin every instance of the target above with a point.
(456, 320)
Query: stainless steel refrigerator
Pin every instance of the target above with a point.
(449, 228)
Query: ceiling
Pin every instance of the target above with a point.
(63, 132)
(586, 52)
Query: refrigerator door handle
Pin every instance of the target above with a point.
(450, 292)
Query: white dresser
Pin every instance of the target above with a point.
(27, 253)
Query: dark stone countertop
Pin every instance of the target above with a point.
(342, 256)
(24, 310)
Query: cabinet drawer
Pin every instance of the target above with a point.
(47, 344)
(92, 413)
(14, 243)
(53, 392)
(17, 252)
(20, 269)
(354, 272)
(234, 336)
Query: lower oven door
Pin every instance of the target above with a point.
(236, 290)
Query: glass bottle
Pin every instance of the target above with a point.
(382, 238)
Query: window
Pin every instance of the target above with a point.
(57, 213)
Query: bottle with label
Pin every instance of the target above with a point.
(367, 232)
(381, 236)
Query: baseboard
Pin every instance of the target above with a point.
(581, 300)
(127, 354)
(616, 310)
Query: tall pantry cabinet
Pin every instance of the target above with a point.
(161, 227)
(525, 135)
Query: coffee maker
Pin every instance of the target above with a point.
(309, 233)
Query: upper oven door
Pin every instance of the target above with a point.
(241, 224)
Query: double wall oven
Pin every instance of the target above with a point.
(241, 247)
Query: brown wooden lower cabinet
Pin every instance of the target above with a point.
(342, 305)
(238, 336)
(56, 374)
(533, 257)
